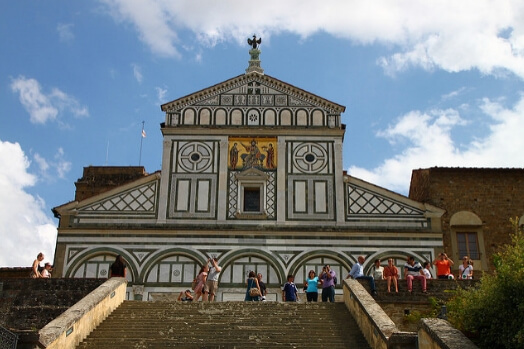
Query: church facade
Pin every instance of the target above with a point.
(251, 174)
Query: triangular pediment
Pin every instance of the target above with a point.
(366, 199)
(253, 89)
(251, 174)
(137, 198)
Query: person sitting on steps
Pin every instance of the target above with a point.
(413, 270)
(357, 272)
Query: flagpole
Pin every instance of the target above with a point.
(141, 140)
(107, 151)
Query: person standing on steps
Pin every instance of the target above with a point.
(262, 285)
(212, 278)
(252, 283)
(327, 278)
(118, 268)
(200, 289)
(311, 285)
(290, 291)
(35, 269)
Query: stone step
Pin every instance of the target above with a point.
(138, 324)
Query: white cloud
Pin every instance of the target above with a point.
(62, 166)
(453, 94)
(450, 35)
(34, 101)
(42, 163)
(425, 140)
(25, 228)
(161, 94)
(65, 32)
(137, 73)
(59, 165)
(151, 21)
(45, 107)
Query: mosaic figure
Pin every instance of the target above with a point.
(253, 158)
(233, 157)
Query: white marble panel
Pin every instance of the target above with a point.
(152, 276)
(91, 270)
(238, 273)
(300, 196)
(203, 196)
(205, 117)
(320, 197)
(189, 272)
(164, 274)
(285, 118)
(270, 118)
(183, 195)
(302, 118)
(220, 117)
(189, 117)
(318, 118)
(236, 117)
(79, 272)
(176, 272)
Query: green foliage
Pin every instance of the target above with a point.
(415, 316)
(492, 313)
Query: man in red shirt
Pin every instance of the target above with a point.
(443, 264)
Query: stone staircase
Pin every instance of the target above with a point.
(137, 324)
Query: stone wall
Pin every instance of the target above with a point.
(14, 272)
(406, 309)
(75, 324)
(27, 305)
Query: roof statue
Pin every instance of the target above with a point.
(254, 62)
(254, 42)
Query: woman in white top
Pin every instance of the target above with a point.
(377, 271)
(427, 272)
(46, 273)
(466, 268)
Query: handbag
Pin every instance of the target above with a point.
(254, 292)
(194, 284)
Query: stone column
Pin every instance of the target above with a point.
(138, 292)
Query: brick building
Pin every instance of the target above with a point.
(478, 204)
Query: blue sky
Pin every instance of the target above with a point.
(424, 84)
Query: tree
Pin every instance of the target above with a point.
(492, 312)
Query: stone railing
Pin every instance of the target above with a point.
(381, 332)
(70, 328)
(437, 333)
